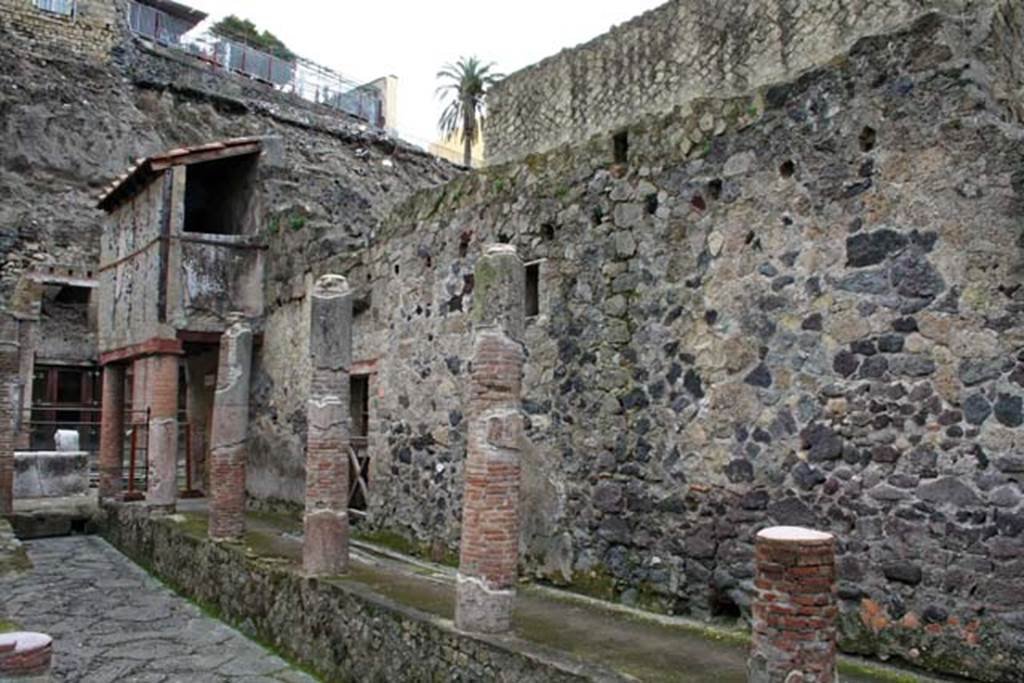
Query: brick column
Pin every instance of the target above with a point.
(325, 544)
(489, 553)
(9, 376)
(25, 656)
(162, 445)
(229, 442)
(794, 607)
(111, 431)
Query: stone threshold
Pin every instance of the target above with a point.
(557, 635)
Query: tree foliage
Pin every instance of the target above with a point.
(464, 86)
(244, 31)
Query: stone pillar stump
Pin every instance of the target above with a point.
(229, 441)
(794, 609)
(111, 431)
(162, 444)
(489, 549)
(25, 656)
(325, 543)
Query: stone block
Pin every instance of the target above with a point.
(50, 474)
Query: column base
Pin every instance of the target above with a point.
(325, 543)
(479, 609)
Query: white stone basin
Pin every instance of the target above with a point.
(50, 474)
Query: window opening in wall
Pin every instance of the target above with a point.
(219, 195)
(63, 7)
(533, 289)
(68, 306)
(65, 397)
(620, 147)
(359, 467)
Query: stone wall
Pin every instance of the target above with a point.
(681, 51)
(801, 306)
(92, 31)
(339, 628)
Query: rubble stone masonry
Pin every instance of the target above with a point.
(677, 53)
(800, 306)
(91, 30)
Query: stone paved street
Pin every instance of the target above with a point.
(112, 622)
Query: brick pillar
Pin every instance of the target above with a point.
(229, 443)
(325, 545)
(162, 445)
(111, 431)
(794, 608)
(489, 554)
(9, 394)
(25, 656)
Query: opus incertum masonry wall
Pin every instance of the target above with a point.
(799, 306)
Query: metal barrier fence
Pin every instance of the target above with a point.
(298, 76)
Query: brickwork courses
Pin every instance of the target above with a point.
(162, 442)
(112, 429)
(229, 448)
(795, 608)
(490, 513)
(325, 544)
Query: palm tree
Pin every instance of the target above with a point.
(467, 83)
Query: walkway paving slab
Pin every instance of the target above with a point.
(113, 622)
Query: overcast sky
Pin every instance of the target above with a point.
(412, 39)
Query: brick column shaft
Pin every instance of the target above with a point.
(325, 544)
(25, 656)
(162, 445)
(111, 431)
(794, 609)
(9, 376)
(489, 549)
(229, 441)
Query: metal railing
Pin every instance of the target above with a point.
(297, 76)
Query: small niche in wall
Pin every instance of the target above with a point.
(533, 289)
(868, 138)
(620, 147)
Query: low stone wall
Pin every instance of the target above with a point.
(343, 631)
(51, 474)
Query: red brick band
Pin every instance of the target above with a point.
(24, 655)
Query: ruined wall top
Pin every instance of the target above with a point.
(683, 50)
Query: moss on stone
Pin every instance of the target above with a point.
(595, 583)
(395, 541)
(17, 562)
(390, 540)
(194, 524)
(8, 626)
